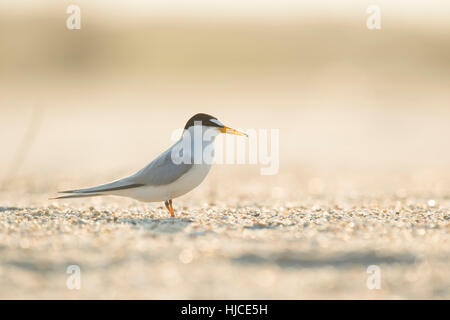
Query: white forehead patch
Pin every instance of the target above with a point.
(217, 122)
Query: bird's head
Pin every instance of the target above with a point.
(210, 122)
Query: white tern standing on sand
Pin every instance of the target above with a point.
(175, 172)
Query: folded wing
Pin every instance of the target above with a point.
(161, 171)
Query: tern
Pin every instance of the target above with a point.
(178, 170)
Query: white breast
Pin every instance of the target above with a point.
(191, 179)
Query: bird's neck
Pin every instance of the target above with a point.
(198, 143)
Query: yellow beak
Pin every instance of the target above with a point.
(229, 130)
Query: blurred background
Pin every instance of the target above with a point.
(363, 117)
(343, 96)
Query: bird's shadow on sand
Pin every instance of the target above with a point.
(164, 225)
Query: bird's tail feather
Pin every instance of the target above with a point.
(105, 188)
(102, 190)
(77, 196)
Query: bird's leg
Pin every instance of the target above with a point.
(169, 207)
(172, 213)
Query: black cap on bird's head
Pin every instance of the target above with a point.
(210, 121)
(204, 119)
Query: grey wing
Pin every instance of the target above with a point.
(122, 184)
(161, 171)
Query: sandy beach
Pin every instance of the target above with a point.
(358, 205)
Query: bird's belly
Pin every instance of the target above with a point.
(183, 185)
